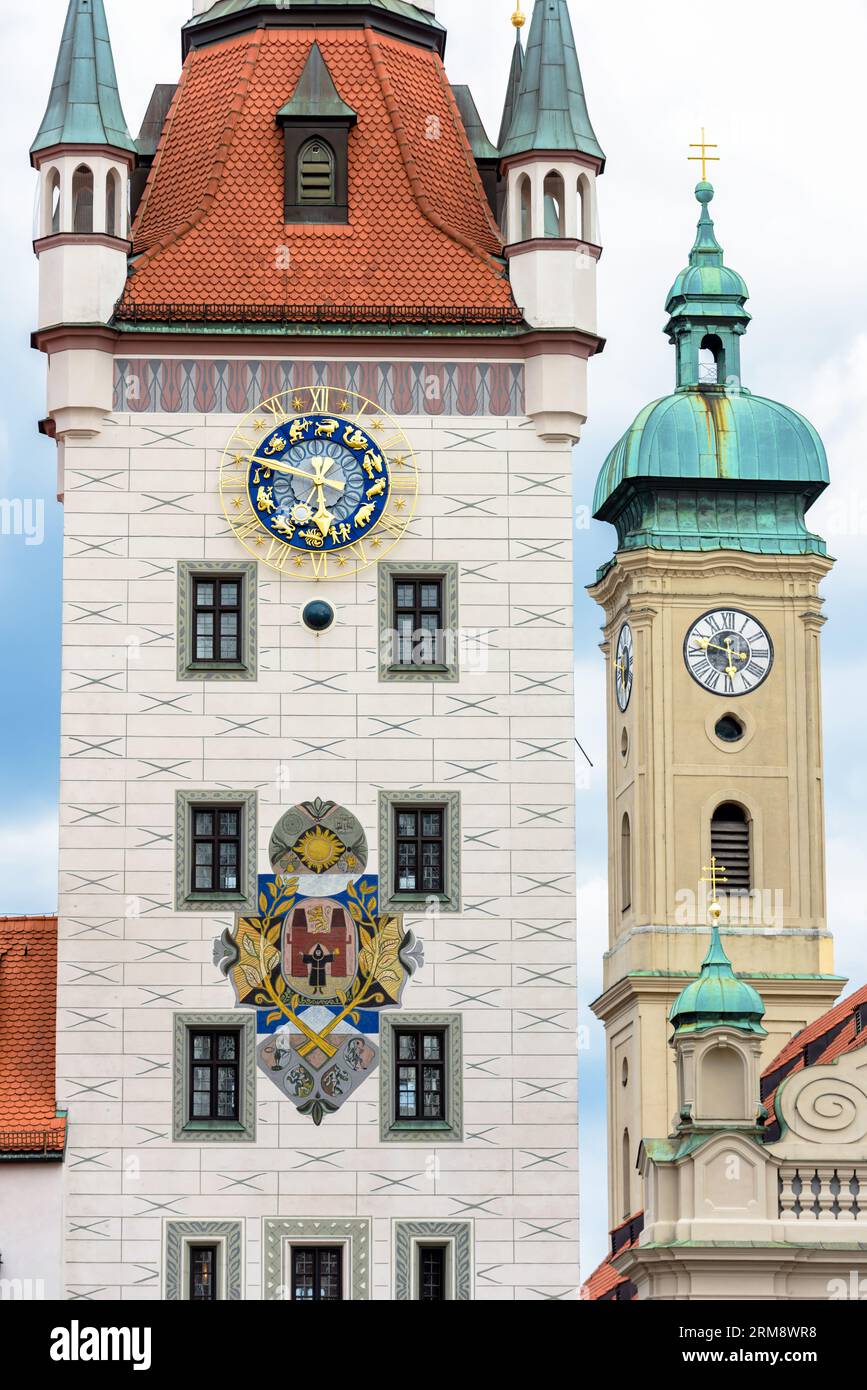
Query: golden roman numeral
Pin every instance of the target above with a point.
(357, 549)
(319, 399)
(394, 525)
(278, 555)
(320, 566)
(249, 445)
(249, 526)
(276, 410)
(403, 482)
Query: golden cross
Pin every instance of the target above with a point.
(718, 875)
(704, 159)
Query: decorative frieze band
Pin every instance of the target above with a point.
(209, 386)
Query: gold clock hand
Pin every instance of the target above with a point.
(707, 645)
(297, 473)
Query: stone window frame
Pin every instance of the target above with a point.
(392, 901)
(431, 1132)
(188, 1131)
(455, 1236)
(446, 571)
(186, 898)
(179, 1236)
(354, 1234)
(188, 668)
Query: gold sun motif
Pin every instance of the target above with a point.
(318, 849)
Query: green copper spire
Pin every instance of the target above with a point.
(84, 106)
(718, 998)
(712, 466)
(516, 72)
(315, 97)
(706, 306)
(551, 108)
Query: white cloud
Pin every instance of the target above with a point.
(28, 864)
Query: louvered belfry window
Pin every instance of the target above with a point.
(730, 844)
(316, 185)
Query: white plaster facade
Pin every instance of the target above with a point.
(140, 495)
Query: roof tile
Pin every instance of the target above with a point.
(28, 1000)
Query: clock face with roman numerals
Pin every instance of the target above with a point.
(624, 668)
(319, 483)
(728, 652)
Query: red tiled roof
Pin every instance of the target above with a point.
(605, 1284)
(29, 1124)
(210, 229)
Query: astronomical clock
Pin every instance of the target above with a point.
(319, 483)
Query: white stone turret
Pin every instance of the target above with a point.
(550, 161)
(84, 156)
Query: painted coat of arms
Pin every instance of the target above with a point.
(318, 966)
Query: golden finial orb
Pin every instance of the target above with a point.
(518, 18)
(715, 911)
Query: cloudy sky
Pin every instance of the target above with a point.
(779, 84)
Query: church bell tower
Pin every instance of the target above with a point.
(712, 625)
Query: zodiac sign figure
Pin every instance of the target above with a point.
(377, 490)
(298, 430)
(327, 429)
(372, 463)
(363, 515)
(265, 500)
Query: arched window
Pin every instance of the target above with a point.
(52, 203)
(82, 199)
(711, 362)
(627, 1185)
(555, 206)
(625, 865)
(730, 844)
(723, 1085)
(525, 194)
(585, 209)
(112, 204)
(316, 183)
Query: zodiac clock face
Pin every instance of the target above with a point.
(318, 483)
(728, 652)
(624, 669)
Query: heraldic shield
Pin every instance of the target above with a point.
(318, 970)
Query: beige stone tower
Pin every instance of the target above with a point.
(712, 643)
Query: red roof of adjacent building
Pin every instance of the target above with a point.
(210, 238)
(841, 1030)
(29, 1123)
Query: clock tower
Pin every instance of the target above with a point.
(712, 629)
(318, 355)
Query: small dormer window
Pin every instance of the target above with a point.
(316, 122)
(316, 183)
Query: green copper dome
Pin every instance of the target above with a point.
(712, 466)
(718, 998)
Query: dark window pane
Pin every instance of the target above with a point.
(203, 1274)
(228, 851)
(229, 596)
(201, 1046)
(205, 624)
(430, 595)
(204, 823)
(407, 1047)
(407, 1092)
(432, 823)
(228, 822)
(433, 1044)
(229, 879)
(405, 596)
(228, 648)
(227, 1047)
(204, 648)
(229, 624)
(204, 595)
(204, 877)
(406, 823)
(204, 851)
(432, 1093)
(432, 1262)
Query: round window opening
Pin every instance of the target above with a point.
(624, 745)
(729, 729)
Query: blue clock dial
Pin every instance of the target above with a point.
(318, 483)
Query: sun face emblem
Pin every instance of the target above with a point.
(319, 850)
